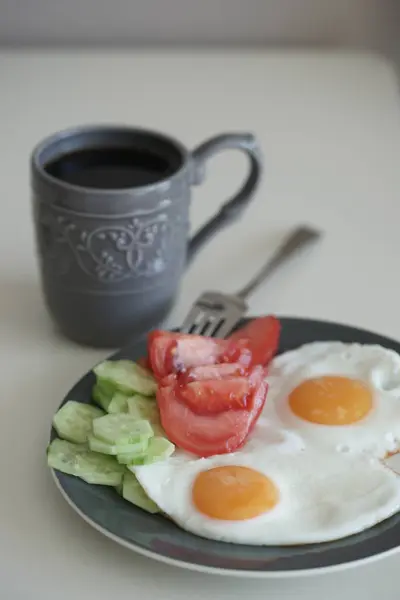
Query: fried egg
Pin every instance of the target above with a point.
(275, 494)
(345, 397)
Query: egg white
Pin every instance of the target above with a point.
(322, 495)
(377, 433)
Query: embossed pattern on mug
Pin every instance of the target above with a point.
(135, 246)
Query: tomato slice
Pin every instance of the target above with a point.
(261, 336)
(256, 343)
(196, 351)
(170, 379)
(238, 352)
(260, 386)
(206, 435)
(215, 396)
(211, 392)
(174, 352)
(207, 372)
(159, 347)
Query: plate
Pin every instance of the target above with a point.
(157, 537)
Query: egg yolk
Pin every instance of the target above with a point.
(233, 493)
(331, 400)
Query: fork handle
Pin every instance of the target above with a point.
(296, 241)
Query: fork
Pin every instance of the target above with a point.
(215, 314)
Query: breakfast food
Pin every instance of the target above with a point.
(211, 392)
(228, 411)
(271, 495)
(343, 397)
(236, 445)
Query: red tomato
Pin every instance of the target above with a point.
(159, 348)
(207, 372)
(211, 392)
(168, 380)
(215, 396)
(196, 351)
(262, 338)
(173, 352)
(238, 352)
(176, 352)
(205, 435)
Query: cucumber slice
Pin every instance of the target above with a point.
(121, 429)
(97, 445)
(118, 404)
(102, 396)
(77, 460)
(73, 421)
(137, 451)
(136, 461)
(159, 449)
(118, 488)
(99, 469)
(133, 492)
(143, 408)
(135, 457)
(63, 456)
(126, 376)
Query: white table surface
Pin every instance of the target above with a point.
(329, 125)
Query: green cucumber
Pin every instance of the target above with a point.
(159, 449)
(97, 445)
(131, 459)
(102, 395)
(137, 451)
(121, 429)
(118, 404)
(100, 469)
(133, 492)
(77, 460)
(63, 456)
(105, 396)
(126, 376)
(119, 487)
(135, 461)
(143, 408)
(73, 422)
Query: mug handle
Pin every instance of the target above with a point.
(232, 209)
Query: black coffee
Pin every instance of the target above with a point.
(107, 168)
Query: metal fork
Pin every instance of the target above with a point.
(215, 314)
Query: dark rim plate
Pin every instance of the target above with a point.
(158, 538)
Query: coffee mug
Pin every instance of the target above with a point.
(111, 217)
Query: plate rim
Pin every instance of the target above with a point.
(189, 566)
(205, 569)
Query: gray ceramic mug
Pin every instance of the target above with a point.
(111, 260)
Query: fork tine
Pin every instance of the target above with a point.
(201, 326)
(213, 324)
(225, 328)
(191, 319)
(194, 321)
